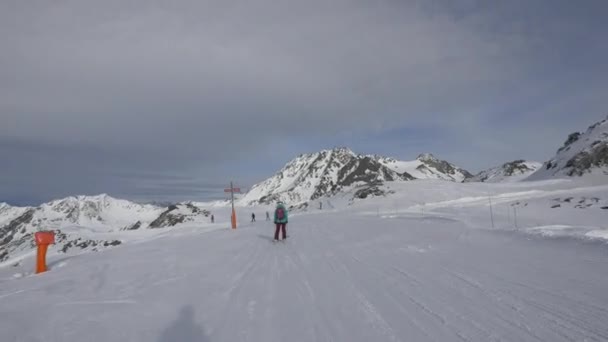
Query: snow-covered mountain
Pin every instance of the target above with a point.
(312, 176)
(509, 172)
(427, 166)
(86, 222)
(583, 153)
(8, 213)
(90, 211)
(177, 214)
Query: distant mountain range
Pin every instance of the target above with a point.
(315, 175)
(99, 214)
(312, 176)
(97, 222)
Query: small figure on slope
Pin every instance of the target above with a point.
(280, 219)
(252, 217)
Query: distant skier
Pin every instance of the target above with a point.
(280, 219)
(212, 219)
(252, 217)
(267, 216)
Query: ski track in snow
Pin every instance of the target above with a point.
(102, 302)
(11, 294)
(336, 278)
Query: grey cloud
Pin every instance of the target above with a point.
(187, 87)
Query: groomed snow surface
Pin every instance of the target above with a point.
(423, 264)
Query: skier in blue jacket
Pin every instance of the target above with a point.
(280, 219)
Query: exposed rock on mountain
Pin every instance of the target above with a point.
(312, 176)
(509, 172)
(582, 154)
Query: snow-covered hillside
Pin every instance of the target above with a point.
(86, 223)
(427, 263)
(582, 154)
(8, 213)
(509, 172)
(312, 176)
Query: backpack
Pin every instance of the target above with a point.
(280, 213)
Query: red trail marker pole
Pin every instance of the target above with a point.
(232, 190)
(43, 240)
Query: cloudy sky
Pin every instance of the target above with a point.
(166, 100)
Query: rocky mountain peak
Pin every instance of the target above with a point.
(341, 150)
(432, 164)
(314, 175)
(427, 157)
(516, 166)
(582, 153)
(311, 176)
(572, 138)
(508, 172)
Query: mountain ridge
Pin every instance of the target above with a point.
(514, 171)
(87, 222)
(583, 153)
(311, 176)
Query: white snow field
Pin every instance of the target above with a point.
(423, 264)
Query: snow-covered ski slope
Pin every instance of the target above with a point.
(423, 264)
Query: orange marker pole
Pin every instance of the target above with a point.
(233, 212)
(233, 219)
(43, 240)
(41, 260)
(232, 190)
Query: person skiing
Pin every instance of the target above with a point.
(267, 216)
(252, 217)
(280, 219)
(212, 219)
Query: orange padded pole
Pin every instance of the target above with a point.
(41, 260)
(233, 219)
(43, 240)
